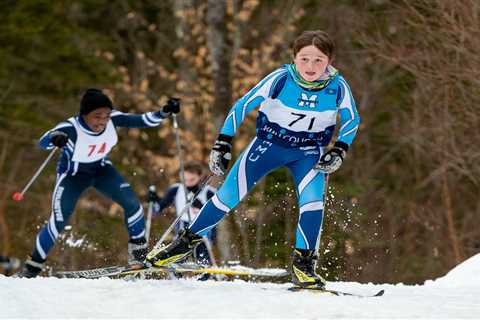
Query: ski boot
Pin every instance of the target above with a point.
(137, 251)
(9, 263)
(176, 251)
(30, 269)
(303, 274)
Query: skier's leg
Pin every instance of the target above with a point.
(65, 195)
(310, 185)
(110, 183)
(257, 160)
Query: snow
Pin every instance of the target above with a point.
(456, 295)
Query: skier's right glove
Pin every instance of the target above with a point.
(221, 155)
(58, 138)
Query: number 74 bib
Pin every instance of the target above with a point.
(90, 147)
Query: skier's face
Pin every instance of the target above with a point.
(311, 63)
(191, 179)
(97, 119)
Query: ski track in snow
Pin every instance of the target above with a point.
(457, 295)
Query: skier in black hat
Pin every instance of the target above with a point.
(86, 140)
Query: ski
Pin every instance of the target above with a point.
(96, 273)
(335, 292)
(120, 271)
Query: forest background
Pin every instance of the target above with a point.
(404, 206)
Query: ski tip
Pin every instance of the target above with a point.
(379, 293)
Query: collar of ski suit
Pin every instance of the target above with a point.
(321, 83)
(86, 128)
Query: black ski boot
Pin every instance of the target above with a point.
(30, 269)
(176, 251)
(137, 251)
(303, 273)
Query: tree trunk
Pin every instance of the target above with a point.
(217, 40)
(452, 232)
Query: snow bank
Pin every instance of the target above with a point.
(50, 298)
(465, 274)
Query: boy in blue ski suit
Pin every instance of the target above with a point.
(299, 105)
(86, 140)
(177, 195)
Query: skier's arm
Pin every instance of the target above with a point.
(148, 119)
(333, 158)
(221, 155)
(249, 102)
(45, 141)
(349, 118)
(166, 201)
(128, 120)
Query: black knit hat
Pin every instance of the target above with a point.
(94, 99)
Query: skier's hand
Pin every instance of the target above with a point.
(152, 196)
(221, 155)
(58, 138)
(331, 160)
(172, 106)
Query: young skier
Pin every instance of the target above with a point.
(299, 104)
(177, 196)
(86, 140)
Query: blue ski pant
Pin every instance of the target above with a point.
(68, 189)
(256, 161)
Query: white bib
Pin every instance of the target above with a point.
(91, 148)
(180, 202)
(297, 120)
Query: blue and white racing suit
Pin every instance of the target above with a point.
(294, 124)
(84, 163)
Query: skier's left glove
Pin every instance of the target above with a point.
(331, 160)
(221, 155)
(172, 106)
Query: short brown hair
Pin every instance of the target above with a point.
(194, 167)
(320, 39)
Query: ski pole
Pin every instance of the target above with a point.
(18, 196)
(180, 160)
(317, 247)
(148, 223)
(204, 184)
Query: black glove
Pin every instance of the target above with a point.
(58, 138)
(331, 160)
(221, 155)
(172, 106)
(152, 196)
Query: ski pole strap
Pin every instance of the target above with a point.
(203, 185)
